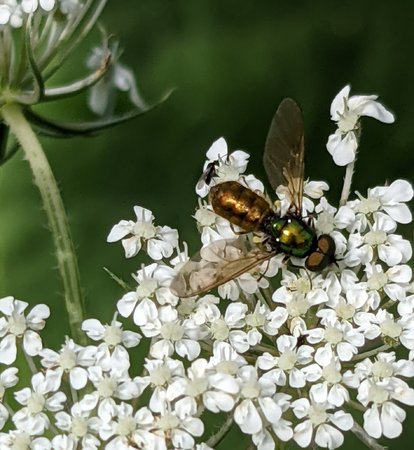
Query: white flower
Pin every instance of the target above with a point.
(340, 336)
(393, 282)
(160, 241)
(153, 284)
(384, 417)
(112, 383)
(392, 199)
(22, 439)
(391, 248)
(173, 334)
(179, 424)
(118, 77)
(163, 376)
(221, 166)
(330, 387)
(319, 424)
(79, 424)
(43, 397)
(257, 405)
(384, 324)
(16, 326)
(112, 335)
(346, 112)
(72, 360)
(286, 368)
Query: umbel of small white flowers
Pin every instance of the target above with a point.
(284, 354)
(37, 37)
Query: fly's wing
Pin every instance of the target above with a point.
(217, 263)
(284, 151)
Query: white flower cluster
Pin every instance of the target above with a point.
(14, 12)
(298, 356)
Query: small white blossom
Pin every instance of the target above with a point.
(72, 360)
(41, 398)
(221, 166)
(160, 241)
(14, 325)
(346, 112)
(319, 424)
(79, 425)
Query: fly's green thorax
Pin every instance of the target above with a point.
(293, 236)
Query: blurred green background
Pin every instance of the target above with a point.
(231, 62)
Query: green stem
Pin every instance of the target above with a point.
(364, 437)
(55, 211)
(347, 183)
(370, 353)
(216, 438)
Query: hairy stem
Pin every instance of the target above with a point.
(55, 211)
(346, 189)
(216, 438)
(370, 353)
(364, 437)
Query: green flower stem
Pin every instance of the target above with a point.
(373, 352)
(347, 183)
(216, 438)
(55, 211)
(363, 436)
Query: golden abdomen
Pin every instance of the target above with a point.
(239, 205)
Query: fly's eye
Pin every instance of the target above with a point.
(316, 262)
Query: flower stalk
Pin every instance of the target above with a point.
(346, 189)
(55, 211)
(361, 434)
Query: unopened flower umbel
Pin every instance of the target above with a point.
(290, 347)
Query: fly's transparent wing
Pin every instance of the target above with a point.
(284, 152)
(216, 264)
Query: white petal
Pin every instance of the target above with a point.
(247, 417)
(400, 213)
(372, 424)
(391, 418)
(120, 230)
(342, 420)
(319, 392)
(78, 378)
(8, 350)
(32, 343)
(303, 433)
(297, 378)
(270, 409)
(131, 246)
(218, 150)
(328, 436)
(218, 401)
(181, 439)
(224, 382)
(342, 148)
(377, 111)
(94, 329)
(390, 255)
(188, 348)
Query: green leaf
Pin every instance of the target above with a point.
(71, 129)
